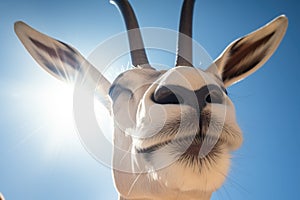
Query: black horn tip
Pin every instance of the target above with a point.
(185, 42)
(137, 49)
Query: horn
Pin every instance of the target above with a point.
(137, 49)
(185, 47)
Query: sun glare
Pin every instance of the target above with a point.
(55, 107)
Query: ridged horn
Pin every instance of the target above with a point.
(137, 49)
(185, 47)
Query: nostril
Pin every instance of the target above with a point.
(214, 96)
(164, 95)
(208, 98)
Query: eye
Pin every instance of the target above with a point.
(225, 91)
(116, 89)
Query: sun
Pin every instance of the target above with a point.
(53, 105)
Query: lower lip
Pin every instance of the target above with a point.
(193, 150)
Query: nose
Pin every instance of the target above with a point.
(174, 94)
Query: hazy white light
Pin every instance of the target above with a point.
(54, 105)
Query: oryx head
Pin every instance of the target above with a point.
(173, 129)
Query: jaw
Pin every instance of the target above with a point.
(190, 181)
(185, 177)
(195, 174)
(168, 171)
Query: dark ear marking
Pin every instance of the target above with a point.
(51, 66)
(246, 55)
(67, 46)
(235, 47)
(239, 52)
(238, 63)
(231, 72)
(43, 47)
(65, 56)
(55, 70)
(69, 58)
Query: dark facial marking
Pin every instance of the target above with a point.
(174, 94)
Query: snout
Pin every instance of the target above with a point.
(174, 104)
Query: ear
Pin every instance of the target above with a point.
(247, 54)
(61, 60)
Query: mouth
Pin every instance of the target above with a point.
(189, 145)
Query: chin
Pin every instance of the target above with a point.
(198, 163)
(203, 174)
(185, 176)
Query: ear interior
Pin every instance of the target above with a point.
(61, 60)
(57, 58)
(247, 54)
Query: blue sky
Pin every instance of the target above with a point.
(41, 156)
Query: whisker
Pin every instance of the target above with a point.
(133, 184)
